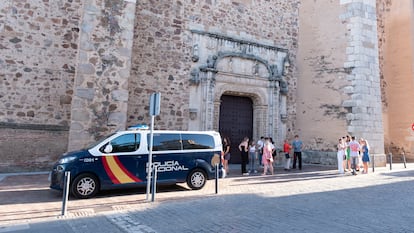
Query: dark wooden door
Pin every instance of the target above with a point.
(236, 122)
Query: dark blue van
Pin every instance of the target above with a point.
(121, 161)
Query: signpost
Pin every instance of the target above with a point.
(154, 110)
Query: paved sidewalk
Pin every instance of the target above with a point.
(315, 199)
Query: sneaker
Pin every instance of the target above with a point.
(245, 174)
(255, 171)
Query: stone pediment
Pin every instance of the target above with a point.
(215, 52)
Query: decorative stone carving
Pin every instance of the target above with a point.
(193, 113)
(283, 87)
(239, 67)
(211, 61)
(195, 76)
(274, 72)
(195, 56)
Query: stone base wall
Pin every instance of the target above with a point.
(25, 150)
(329, 158)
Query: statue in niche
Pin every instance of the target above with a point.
(230, 64)
(255, 68)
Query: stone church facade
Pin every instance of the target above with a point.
(75, 71)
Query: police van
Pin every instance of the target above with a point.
(121, 161)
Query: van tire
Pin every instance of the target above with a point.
(84, 186)
(197, 179)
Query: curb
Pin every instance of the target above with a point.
(4, 175)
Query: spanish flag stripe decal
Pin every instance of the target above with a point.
(108, 171)
(129, 174)
(120, 174)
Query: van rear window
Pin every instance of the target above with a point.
(197, 141)
(166, 142)
(163, 142)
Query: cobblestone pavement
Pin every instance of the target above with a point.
(315, 199)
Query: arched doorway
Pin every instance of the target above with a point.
(236, 122)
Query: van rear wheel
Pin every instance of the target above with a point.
(85, 186)
(197, 179)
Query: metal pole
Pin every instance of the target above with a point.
(65, 192)
(217, 177)
(154, 183)
(149, 170)
(373, 163)
(390, 161)
(405, 162)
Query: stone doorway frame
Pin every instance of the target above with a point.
(259, 104)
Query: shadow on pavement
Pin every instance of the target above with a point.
(375, 208)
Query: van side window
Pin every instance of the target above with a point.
(124, 143)
(165, 142)
(197, 141)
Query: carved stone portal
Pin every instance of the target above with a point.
(230, 66)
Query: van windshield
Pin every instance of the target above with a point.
(97, 142)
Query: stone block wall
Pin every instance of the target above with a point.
(163, 48)
(100, 99)
(395, 24)
(30, 149)
(38, 51)
(364, 119)
(321, 118)
(339, 85)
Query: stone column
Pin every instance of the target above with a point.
(260, 121)
(207, 106)
(364, 105)
(273, 109)
(100, 98)
(283, 118)
(216, 120)
(276, 116)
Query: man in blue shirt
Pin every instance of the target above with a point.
(297, 152)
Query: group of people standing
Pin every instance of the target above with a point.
(263, 151)
(350, 153)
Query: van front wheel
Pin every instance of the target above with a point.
(85, 186)
(197, 179)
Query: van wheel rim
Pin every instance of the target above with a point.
(197, 179)
(86, 186)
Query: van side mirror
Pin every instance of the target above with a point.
(108, 148)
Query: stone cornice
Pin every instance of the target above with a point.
(241, 41)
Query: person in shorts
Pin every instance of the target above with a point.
(355, 148)
(226, 154)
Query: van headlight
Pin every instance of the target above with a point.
(68, 159)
